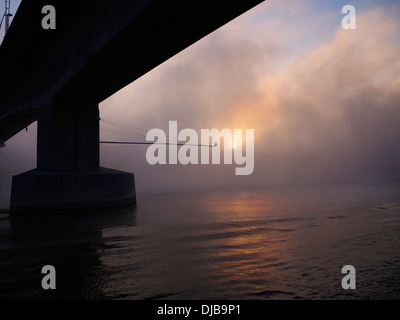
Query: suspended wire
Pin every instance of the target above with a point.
(122, 133)
(123, 130)
(128, 130)
(132, 132)
(126, 127)
(163, 143)
(122, 125)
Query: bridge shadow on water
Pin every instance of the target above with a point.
(71, 242)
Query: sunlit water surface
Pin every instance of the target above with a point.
(287, 243)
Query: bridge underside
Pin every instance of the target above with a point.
(58, 77)
(97, 48)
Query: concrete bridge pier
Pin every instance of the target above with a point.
(68, 175)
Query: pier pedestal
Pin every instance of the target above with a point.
(37, 191)
(68, 176)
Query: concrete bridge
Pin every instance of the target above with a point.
(59, 77)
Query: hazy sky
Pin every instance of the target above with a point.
(324, 102)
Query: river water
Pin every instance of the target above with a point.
(277, 243)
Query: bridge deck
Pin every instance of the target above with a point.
(98, 48)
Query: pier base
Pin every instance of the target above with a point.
(37, 191)
(68, 176)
